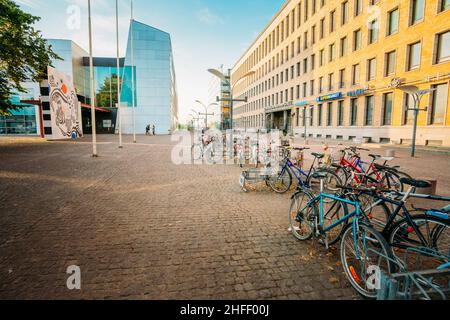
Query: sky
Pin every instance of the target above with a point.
(205, 33)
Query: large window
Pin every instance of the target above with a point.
(353, 111)
(343, 49)
(355, 74)
(439, 103)
(332, 20)
(342, 78)
(319, 118)
(330, 114)
(368, 115)
(417, 11)
(344, 12)
(373, 32)
(371, 69)
(414, 52)
(322, 28)
(443, 47)
(357, 40)
(340, 113)
(21, 121)
(322, 57)
(444, 5)
(358, 7)
(393, 22)
(311, 116)
(331, 82)
(408, 115)
(387, 108)
(331, 52)
(390, 63)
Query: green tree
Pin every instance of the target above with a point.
(107, 92)
(24, 54)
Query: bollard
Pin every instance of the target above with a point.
(390, 153)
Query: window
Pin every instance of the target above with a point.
(343, 50)
(443, 47)
(320, 84)
(322, 57)
(392, 22)
(414, 51)
(408, 114)
(319, 118)
(332, 20)
(305, 87)
(444, 5)
(439, 103)
(353, 111)
(305, 40)
(306, 10)
(313, 61)
(390, 64)
(311, 116)
(305, 65)
(357, 40)
(417, 11)
(344, 12)
(387, 108)
(322, 28)
(298, 92)
(355, 74)
(330, 81)
(371, 69)
(368, 118)
(373, 32)
(330, 114)
(311, 88)
(331, 53)
(358, 7)
(340, 113)
(298, 69)
(313, 34)
(342, 78)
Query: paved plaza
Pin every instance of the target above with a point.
(140, 227)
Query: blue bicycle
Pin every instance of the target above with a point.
(283, 180)
(327, 217)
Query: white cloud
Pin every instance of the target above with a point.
(28, 3)
(206, 16)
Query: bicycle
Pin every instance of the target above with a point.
(428, 232)
(361, 247)
(282, 182)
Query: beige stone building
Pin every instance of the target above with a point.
(337, 67)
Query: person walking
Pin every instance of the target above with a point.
(153, 130)
(147, 130)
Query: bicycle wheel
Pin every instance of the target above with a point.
(427, 253)
(302, 215)
(343, 174)
(282, 182)
(332, 212)
(374, 253)
(389, 180)
(376, 214)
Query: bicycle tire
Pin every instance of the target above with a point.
(293, 214)
(287, 186)
(382, 255)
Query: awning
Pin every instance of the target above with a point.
(87, 106)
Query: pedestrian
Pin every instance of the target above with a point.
(153, 129)
(147, 130)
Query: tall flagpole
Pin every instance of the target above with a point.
(119, 111)
(91, 75)
(132, 75)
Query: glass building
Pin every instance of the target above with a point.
(155, 86)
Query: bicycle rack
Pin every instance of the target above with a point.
(430, 284)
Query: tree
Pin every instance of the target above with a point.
(24, 54)
(107, 94)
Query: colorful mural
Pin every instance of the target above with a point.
(64, 106)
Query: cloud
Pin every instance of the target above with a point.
(206, 16)
(28, 3)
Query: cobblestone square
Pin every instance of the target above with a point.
(141, 227)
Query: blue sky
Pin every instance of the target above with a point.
(205, 33)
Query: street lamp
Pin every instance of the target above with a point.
(206, 111)
(226, 79)
(119, 110)
(91, 78)
(417, 96)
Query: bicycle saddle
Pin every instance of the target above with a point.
(319, 175)
(318, 155)
(415, 183)
(375, 156)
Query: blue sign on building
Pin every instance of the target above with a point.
(332, 96)
(301, 103)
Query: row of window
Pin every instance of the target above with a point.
(417, 9)
(414, 53)
(316, 116)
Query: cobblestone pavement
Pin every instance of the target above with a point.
(141, 227)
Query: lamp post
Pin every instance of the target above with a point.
(417, 96)
(119, 113)
(230, 99)
(206, 114)
(305, 122)
(91, 78)
(133, 99)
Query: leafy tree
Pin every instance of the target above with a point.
(107, 92)
(24, 54)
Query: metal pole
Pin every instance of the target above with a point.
(416, 114)
(119, 112)
(132, 75)
(304, 121)
(91, 76)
